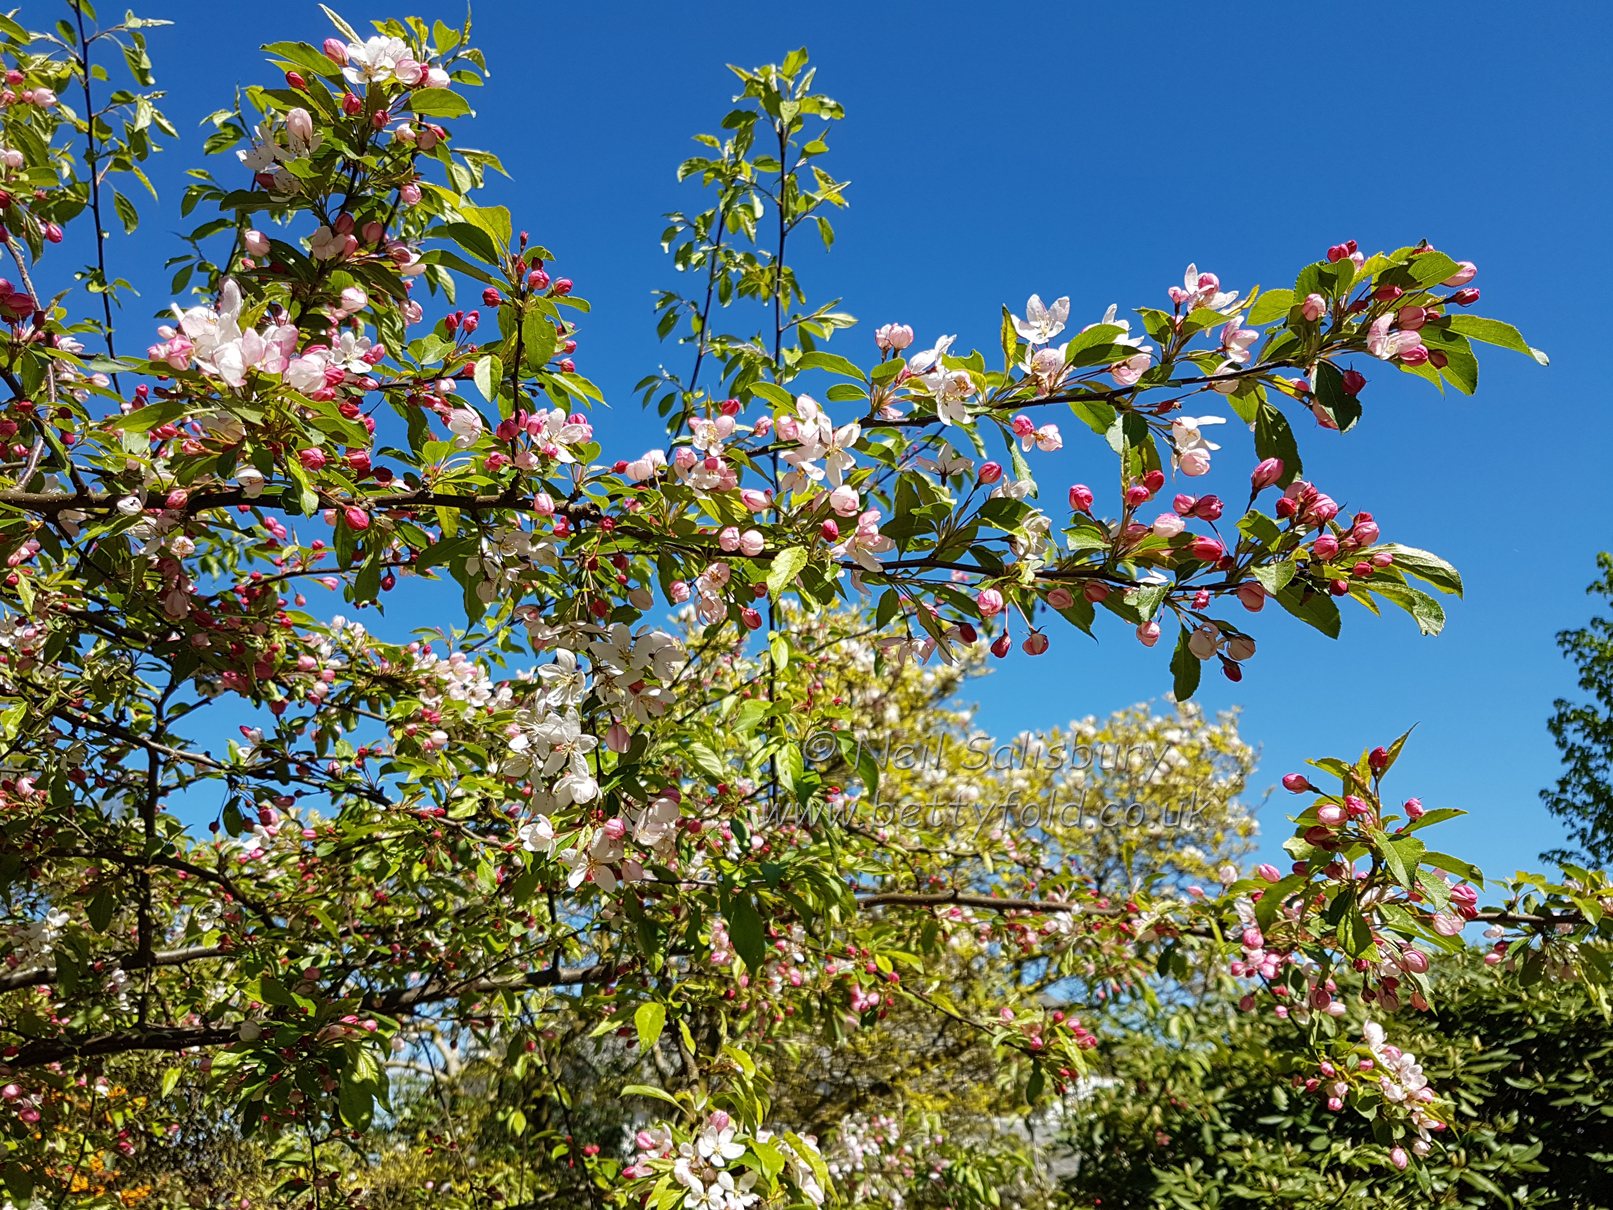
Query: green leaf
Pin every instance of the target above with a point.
(170, 1078)
(438, 103)
(1432, 268)
(787, 564)
(1274, 577)
(1344, 409)
(1274, 439)
(650, 1020)
(126, 212)
(644, 1090)
(1270, 305)
(779, 647)
(774, 394)
(1312, 607)
(1185, 667)
(538, 339)
(100, 910)
(832, 362)
(489, 375)
(1429, 615)
(1494, 332)
(746, 931)
(1455, 865)
(1424, 566)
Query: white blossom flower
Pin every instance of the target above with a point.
(1041, 324)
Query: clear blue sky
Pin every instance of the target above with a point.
(1094, 150)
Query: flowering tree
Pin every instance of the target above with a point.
(531, 802)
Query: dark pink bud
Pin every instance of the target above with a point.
(1138, 494)
(1387, 293)
(1467, 297)
(563, 286)
(1325, 548)
(491, 297)
(1080, 498)
(352, 106)
(1183, 505)
(1208, 508)
(751, 618)
(1353, 382)
(294, 80)
(830, 531)
(1378, 759)
(1154, 480)
(357, 518)
(537, 279)
(1267, 473)
(1414, 808)
(990, 472)
(1296, 783)
(1000, 645)
(1206, 548)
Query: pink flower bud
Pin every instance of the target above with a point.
(728, 539)
(357, 518)
(751, 618)
(1060, 598)
(678, 590)
(1313, 307)
(409, 195)
(562, 286)
(1095, 591)
(1465, 273)
(830, 531)
(990, 602)
(1411, 318)
(537, 279)
(1414, 808)
(1415, 961)
(1387, 293)
(755, 501)
(312, 459)
(617, 740)
(1269, 872)
(1378, 759)
(1207, 549)
(751, 543)
(1466, 298)
(1331, 814)
(1354, 380)
(1137, 494)
(1325, 548)
(1296, 783)
(336, 51)
(257, 243)
(990, 472)
(1035, 643)
(1252, 595)
(1168, 525)
(1397, 1157)
(1414, 356)
(352, 105)
(1148, 633)
(1081, 498)
(1266, 474)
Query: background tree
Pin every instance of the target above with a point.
(1179, 1116)
(1584, 734)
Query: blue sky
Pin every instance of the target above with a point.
(995, 151)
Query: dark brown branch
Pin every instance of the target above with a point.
(37, 975)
